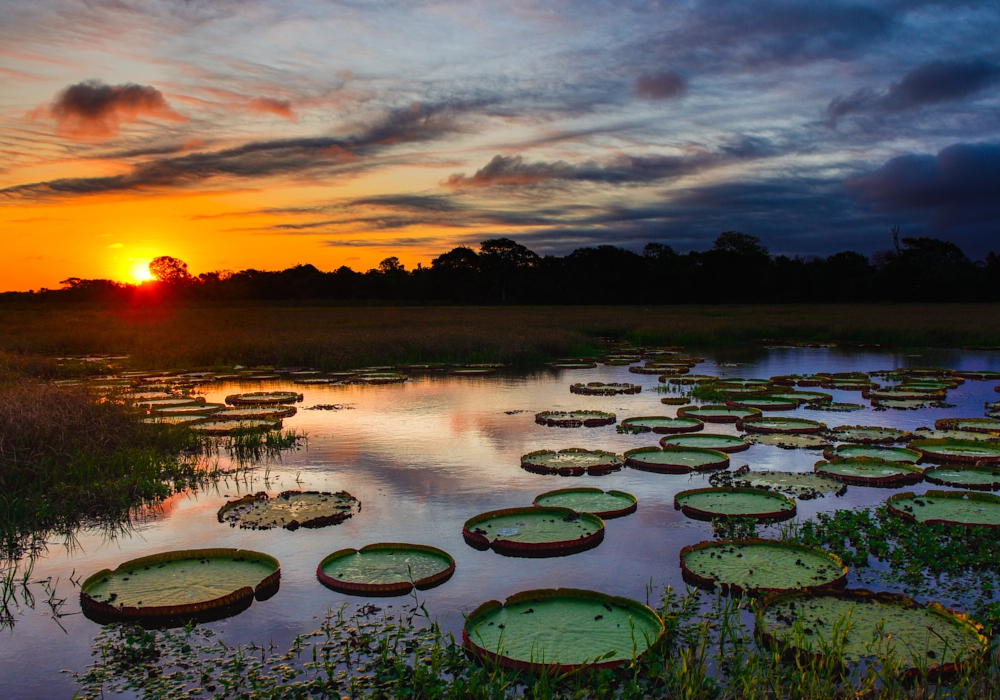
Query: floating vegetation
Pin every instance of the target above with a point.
(561, 630)
(790, 441)
(944, 451)
(881, 452)
(603, 504)
(803, 397)
(175, 586)
(155, 404)
(734, 502)
(985, 375)
(908, 404)
(760, 566)
(768, 402)
(472, 371)
(534, 531)
(803, 485)
(865, 471)
(675, 460)
(385, 569)
(602, 389)
(223, 428)
(198, 409)
(688, 379)
(711, 441)
(573, 365)
(718, 414)
(928, 434)
(780, 425)
(263, 398)
(573, 461)
(661, 424)
(575, 419)
(863, 625)
(255, 412)
(674, 400)
(160, 419)
(868, 434)
(965, 476)
(902, 393)
(380, 378)
(965, 508)
(973, 425)
(290, 510)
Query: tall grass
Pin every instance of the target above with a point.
(341, 337)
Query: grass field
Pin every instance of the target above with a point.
(340, 337)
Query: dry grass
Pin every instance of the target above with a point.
(338, 337)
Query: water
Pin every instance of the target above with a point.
(423, 457)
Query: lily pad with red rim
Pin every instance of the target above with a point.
(868, 434)
(263, 398)
(573, 461)
(777, 424)
(603, 504)
(602, 389)
(290, 510)
(718, 413)
(575, 419)
(965, 476)
(734, 502)
(973, 425)
(966, 508)
(675, 460)
(662, 424)
(534, 531)
(864, 471)
(944, 451)
(883, 452)
(385, 569)
(707, 441)
(790, 441)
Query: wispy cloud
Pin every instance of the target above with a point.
(93, 109)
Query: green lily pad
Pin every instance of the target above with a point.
(836, 407)
(379, 378)
(768, 402)
(263, 398)
(603, 504)
(944, 451)
(790, 441)
(972, 425)
(385, 569)
(255, 412)
(689, 379)
(561, 630)
(741, 566)
(780, 425)
(222, 428)
(572, 461)
(868, 434)
(803, 397)
(902, 393)
(573, 365)
(575, 419)
(662, 424)
(534, 531)
(675, 460)
(803, 485)
(703, 441)
(290, 510)
(865, 471)
(472, 371)
(718, 414)
(732, 502)
(876, 625)
(966, 476)
(984, 375)
(186, 583)
(602, 389)
(948, 508)
(925, 434)
(889, 454)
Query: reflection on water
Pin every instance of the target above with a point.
(425, 456)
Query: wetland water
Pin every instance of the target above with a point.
(423, 457)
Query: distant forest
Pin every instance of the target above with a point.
(737, 269)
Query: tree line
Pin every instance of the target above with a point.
(737, 269)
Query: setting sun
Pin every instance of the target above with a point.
(140, 271)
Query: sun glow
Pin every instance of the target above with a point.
(140, 271)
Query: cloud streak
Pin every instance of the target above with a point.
(95, 110)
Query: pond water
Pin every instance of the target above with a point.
(423, 457)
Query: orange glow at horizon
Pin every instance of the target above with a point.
(139, 271)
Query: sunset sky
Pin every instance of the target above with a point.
(236, 134)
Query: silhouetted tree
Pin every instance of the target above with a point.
(169, 270)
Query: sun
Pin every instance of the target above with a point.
(140, 271)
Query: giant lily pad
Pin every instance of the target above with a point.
(199, 409)
(158, 419)
(534, 531)
(561, 630)
(718, 414)
(965, 476)
(472, 371)
(740, 566)
(730, 502)
(767, 402)
(575, 419)
(385, 569)
(902, 393)
(662, 424)
(255, 412)
(603, 504)
(156, 404)
(984, 375)
(948, 508)
(290, 510)
(572, 461)
(926, 434)
(263, 398)
(710, 441)
(972, 425)
(874, 625)
(868, 434)
(174, 586)
(863, 471)
(602, 389)
(944, 451)
(889, 454)
(836, 407)
(675, 460)
(221, 428)
(780, 425)
(790, 441)
(804, 486)
(804, 397)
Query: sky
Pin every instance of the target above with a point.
(247, 133)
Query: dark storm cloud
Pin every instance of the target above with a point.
(960, 185)
(929, 84)
(660, 86)
(93, 109)
(263, 158)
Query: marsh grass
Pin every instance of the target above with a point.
(344, 337)
(709, 652)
